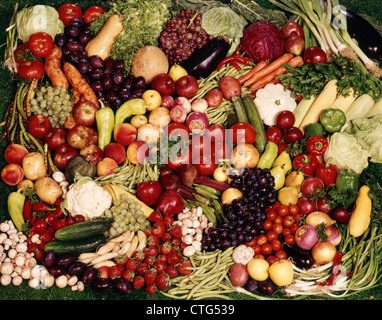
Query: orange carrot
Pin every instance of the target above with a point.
(260, 83)
(285, 58)
(53, 68)
(79, 83)
(251, 72)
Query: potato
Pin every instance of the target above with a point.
(214, 98)
(34, 166)
(160, 117)
(47, 190)
(238, 274)
(230, 87)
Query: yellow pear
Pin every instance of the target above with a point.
(279, 175)
(176, 72)
(284, 161)
(288, 195)
(294, 179)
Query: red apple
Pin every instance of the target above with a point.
(294, 44)
(314, 55)
(164, 84)
(78, 137)
(92, 153)
(149, 192)
(63, 154)
(93, 135)
(291, 28)
(39, 125)
(187, 86)
(84, 113)
(55, 137)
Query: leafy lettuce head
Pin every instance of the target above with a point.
(39, 18)
(345, 152)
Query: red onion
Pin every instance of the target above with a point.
(306, 236)
(178, 114)
(197, 122)
(333, 235)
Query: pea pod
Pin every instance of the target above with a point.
(269, 155)
(16, 201)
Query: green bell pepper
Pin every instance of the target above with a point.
(105, 125)
(314, 129)
(128, 109)
(347, 181)
(332, 120)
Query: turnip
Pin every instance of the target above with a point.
(306, 236)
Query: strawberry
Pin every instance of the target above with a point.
(162, 281)
(162, 257)
(149, 231)
(152, 240)
(150, 276)
(138, 281)
(159, 229)
(176, 242)
(155, 216)
(139, 256)
(150, 251)
(183, 268)
(168, 220)
(121, 260)
(115, 271)
(141, 269)
(131, 265)
(171, 271)
(150, 260)
(103, 272)
(176, 231)
(165, 247)
(128, 275)
(173, 258)
(151, 289)
(160, 266)
(166, 237)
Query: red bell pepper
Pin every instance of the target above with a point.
(316, 145)
(306, 163)
(327, 173)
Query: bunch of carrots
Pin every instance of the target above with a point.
(265, 73)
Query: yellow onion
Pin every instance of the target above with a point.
(323, 252)
(317, 217)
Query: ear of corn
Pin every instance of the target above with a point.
(323, 101)
(360, 107)
(344, 102)
(301, 110)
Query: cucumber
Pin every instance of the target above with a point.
(238, 104)
(255, 120)
(89, 244)
(231, 118)
(84, 229)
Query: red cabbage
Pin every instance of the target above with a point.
(262, 40)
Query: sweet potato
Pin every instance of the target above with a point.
(79, 83)
(53, 69)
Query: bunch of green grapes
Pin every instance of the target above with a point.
(53, 102)
(127, 214)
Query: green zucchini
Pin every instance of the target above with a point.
(241, 115)
(255, 120)
(84, 229)
(231, 117)
(89, 244)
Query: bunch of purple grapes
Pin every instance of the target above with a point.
(183, 34)
(106, 77)
(244, 218)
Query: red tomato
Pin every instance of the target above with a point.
(92, 13)
(178, 130)
(274, 134)
(267, 225)
(282, 210)
(261, 239)
(288, 221)
(266, 248)
(271, 235)
(276, 245)
(176, 161)
(278, 227)
(216, 133)
(200, 146)
(242, 132)
(20, 51)
(290, 238)
(31, 69)
(220, 150)
(206, 165)
(280, 254)
(41, 44)
(68, 11)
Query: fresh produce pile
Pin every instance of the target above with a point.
(193, 150)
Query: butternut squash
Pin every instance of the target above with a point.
(101, 44)
(360, 217)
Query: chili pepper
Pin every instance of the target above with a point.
(307, 163)
(332, 120)
(327, 173)
(105, 125)
(335, 271)
(269, 155)
(232, 60)
(41, 207)
(129, 108)
(27, 210)
(16, 201)
(316, 145)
